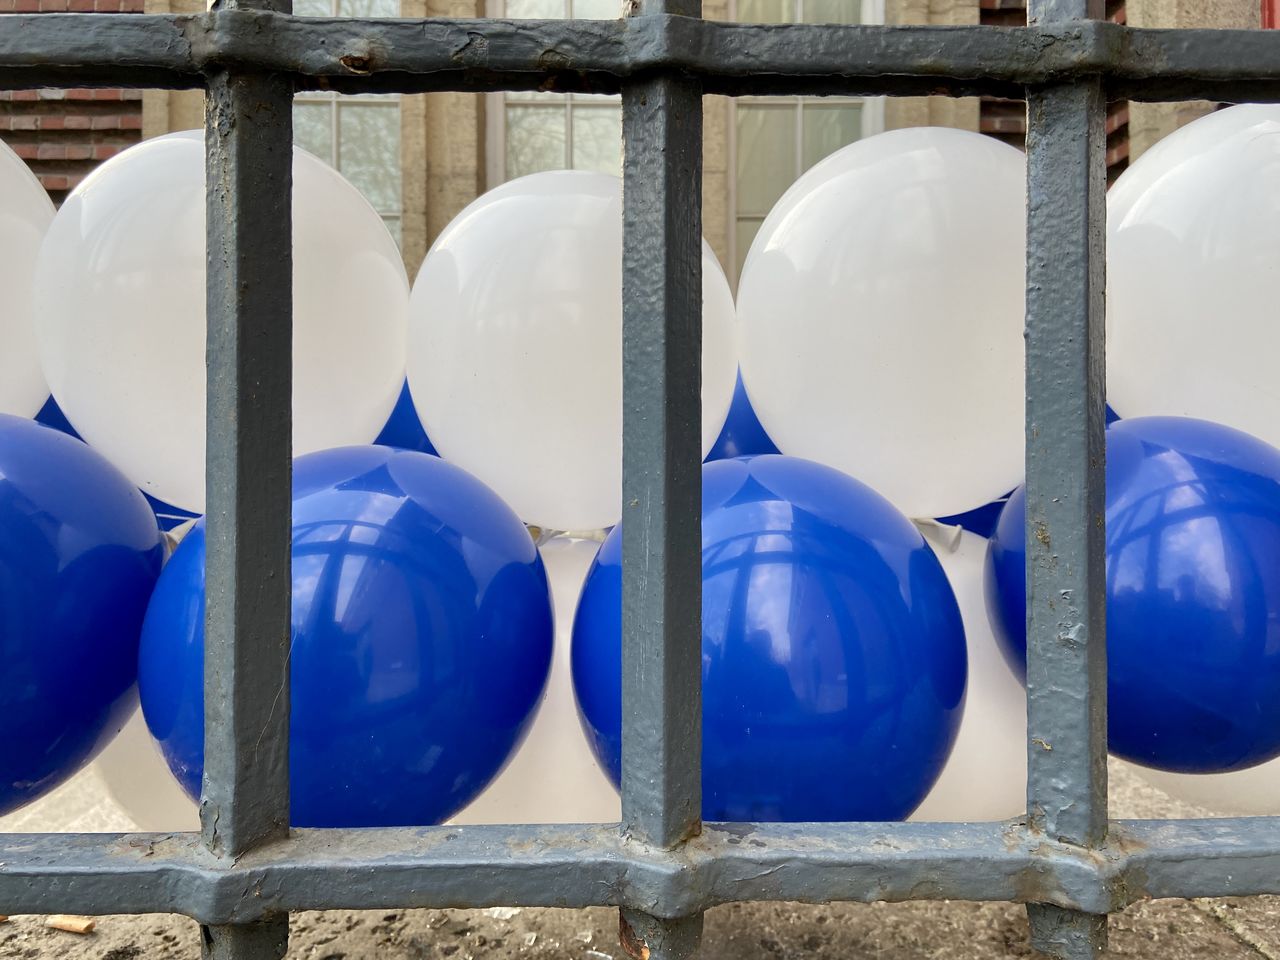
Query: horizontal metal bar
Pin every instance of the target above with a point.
(592, 865)
(729, 58)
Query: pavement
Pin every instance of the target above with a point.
(1159, 930)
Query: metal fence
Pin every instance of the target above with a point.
(661, 866)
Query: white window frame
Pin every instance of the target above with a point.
(495, 116)
(872, 123)
(382, 101)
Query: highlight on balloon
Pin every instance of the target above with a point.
(458, 515)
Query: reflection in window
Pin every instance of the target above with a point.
(551, 131)
(357, 135)
(776, 139)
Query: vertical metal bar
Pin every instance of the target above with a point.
(662, 476)
(264, 940)
(1066, 478)
(249, 164)
(662, 454)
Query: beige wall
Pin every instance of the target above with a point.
(1148, 122)
(164, 111)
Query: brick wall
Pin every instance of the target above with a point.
(64, 134)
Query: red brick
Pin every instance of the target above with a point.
(55, 183)
(53, 6)
(27, 151)
(26, 95)
(26, 6)
(52, 123)
(131, 121)
(105, 151)
(80, 6)
(6, 6)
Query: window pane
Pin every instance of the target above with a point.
(766, 155)
(313, 129)
(597, 139)
(536, 9)
(393, 227)
(832, 11)
(746, 232)
(313, 8)
(597, 9)
(828, 128)
(766, 11)
(535, 140)
(369, 152)
(368, 8)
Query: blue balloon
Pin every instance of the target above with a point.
(79, 556)
(833, 654)
(167, 515)
(404, 429)
(743, 435)
(422, 639)
(1193, 594)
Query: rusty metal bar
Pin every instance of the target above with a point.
(662, 477)
(1066, 477)
(408, 56)
(249, 172)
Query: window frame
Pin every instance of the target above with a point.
(872, 118)
(385, 101)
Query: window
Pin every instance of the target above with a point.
(357, 135)
(773, 140)
(532, 132)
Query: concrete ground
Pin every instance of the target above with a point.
(1162, 930)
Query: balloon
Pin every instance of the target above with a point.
(133, 770)
(882, 308)
(515, 346)
(986, 775)
(25, 214)
(1191, 253)
(79, 555)
(742, 435)
(1193, 594)
(403, 428)
(421, 641)
(555, 777)
(1253, 792)
(120, 296)
(833, 654)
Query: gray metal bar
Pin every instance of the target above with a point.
(1066, 479)
(662, 455)
(592, 865)
(662, 480)
(266, 939)
(353, 56)
(249, 172)
(644, 937)
(249, 169)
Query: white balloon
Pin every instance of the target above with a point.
(986, 775)
(515, 346)
(881, 310)
(554, 778)
(1192, 247)
(138, 780)
(120, 301)
(1254, 792)
(25, 215)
